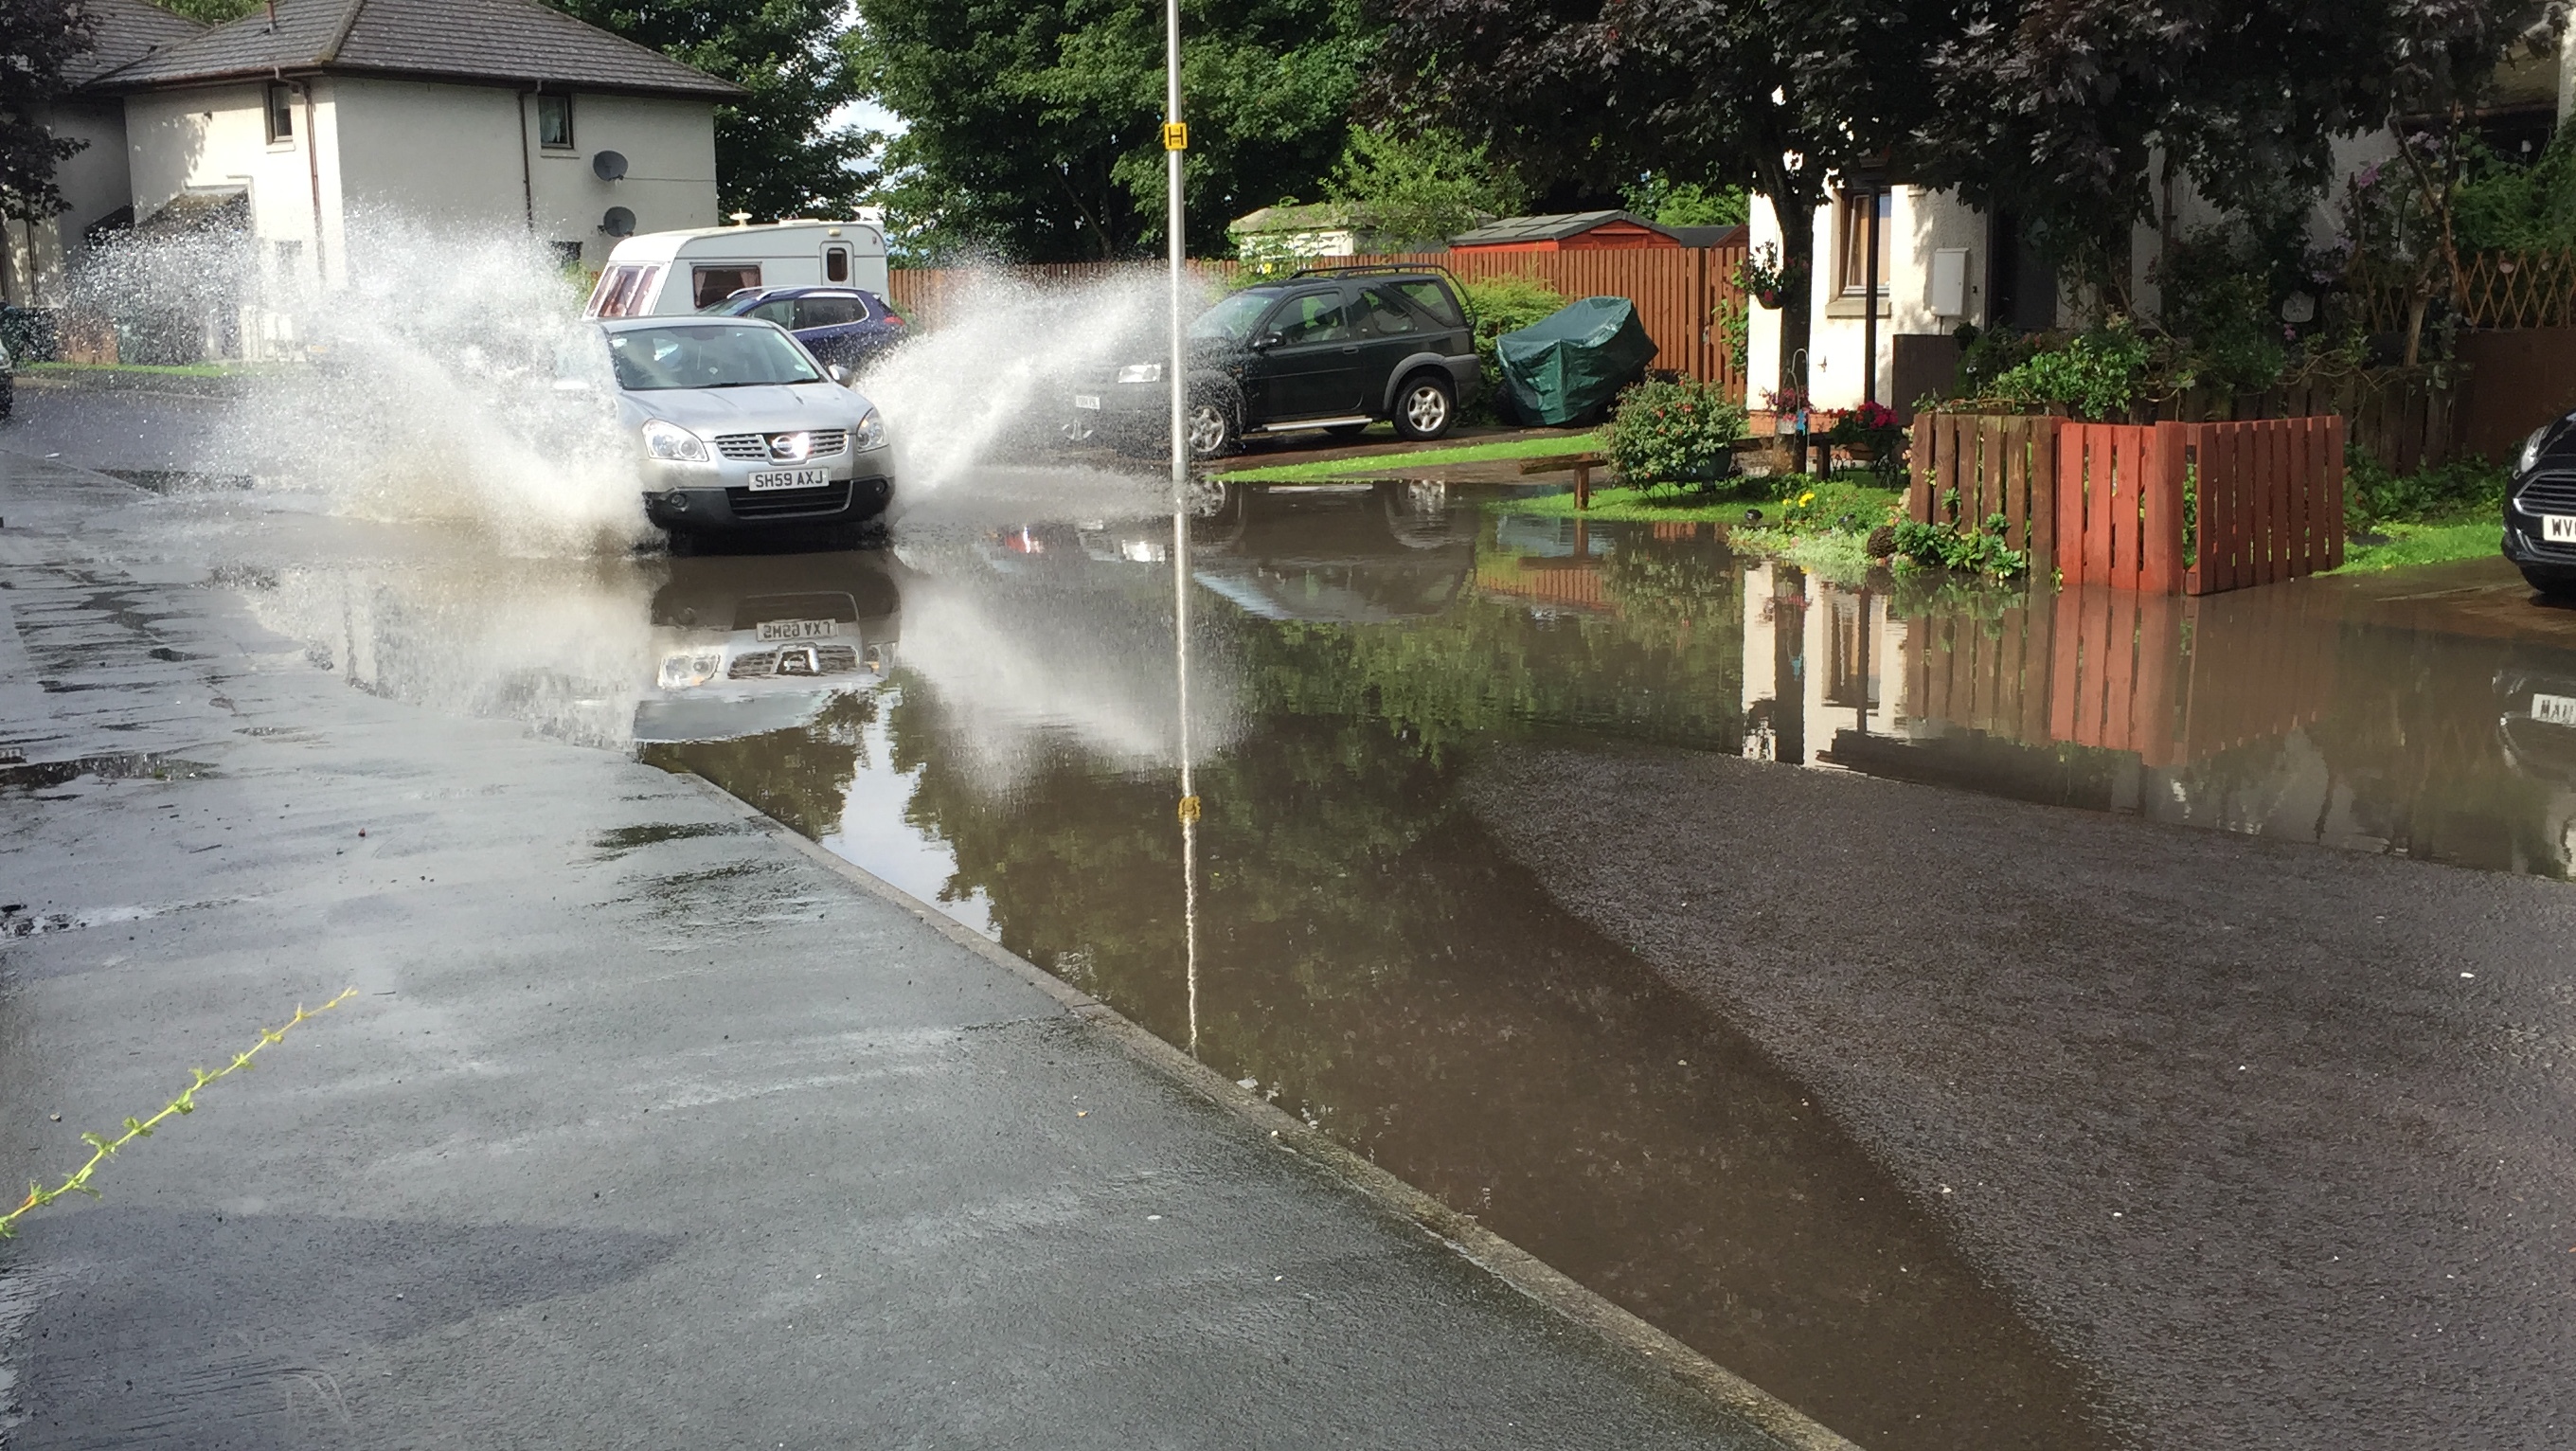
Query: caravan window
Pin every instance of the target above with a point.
(724, 279)
(623, 291)
(836, 264)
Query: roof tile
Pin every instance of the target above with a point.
(518, 41)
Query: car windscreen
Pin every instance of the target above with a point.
(1231, 320)
(707, 355)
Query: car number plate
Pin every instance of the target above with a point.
(787, 479)
(771, 630)
(2558, 528)
(1086, 400)
(2553, 709)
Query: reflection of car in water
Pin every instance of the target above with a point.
(1352, 556)
(2535, 696)
(749, 645)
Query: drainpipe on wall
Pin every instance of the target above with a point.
(1869, 307)
(527, 178)
(313, 166)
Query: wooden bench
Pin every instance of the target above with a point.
(1582, 463)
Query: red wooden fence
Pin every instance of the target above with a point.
(1678, 291)
(1993, 465)
(2113, 498)
(2270, 500)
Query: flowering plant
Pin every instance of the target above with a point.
(1764, 277)
(1666, 433)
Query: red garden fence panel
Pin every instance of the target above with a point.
(1969, 467)
(1678, 290)
(2164, 508)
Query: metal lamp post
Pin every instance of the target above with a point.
(1176, 140)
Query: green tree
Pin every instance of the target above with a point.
(211, 12)
(1670, 203)
(1033, 129)
(37, 39)
(1421, 187)
(779, 152)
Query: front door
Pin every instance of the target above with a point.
(1308, 364)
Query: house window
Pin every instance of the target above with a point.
(281, 112)
(567, 254)
(1851, 223)
(554, 122)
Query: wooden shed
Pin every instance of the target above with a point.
(1567, 232)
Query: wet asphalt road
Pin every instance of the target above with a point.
(2131, 1135)
(2272, 1137)
(645, 1129)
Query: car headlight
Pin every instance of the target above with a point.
(690, 667)
(671, 441)
(1141, 373)
(2530, 458)
(870, 433)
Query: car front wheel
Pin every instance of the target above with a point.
(1426, 407)
(1212, 431)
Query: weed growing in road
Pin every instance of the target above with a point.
(77, 1182)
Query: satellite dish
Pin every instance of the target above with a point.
(619, 222)
(608, 166)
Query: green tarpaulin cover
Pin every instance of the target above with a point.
(1574, 360)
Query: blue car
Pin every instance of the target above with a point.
(842, 325)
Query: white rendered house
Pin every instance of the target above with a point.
(300, 120)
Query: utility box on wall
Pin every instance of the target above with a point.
(1948, 294)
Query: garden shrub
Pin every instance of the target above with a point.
(1673, 433)
(2094, 376)
(2375, 495)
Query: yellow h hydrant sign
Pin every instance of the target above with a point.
(1176, 136)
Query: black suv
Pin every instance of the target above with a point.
(1331, 348)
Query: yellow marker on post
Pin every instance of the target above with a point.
(1176, 136)
(1189, 808)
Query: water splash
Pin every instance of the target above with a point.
(423, 389)
(992, 379)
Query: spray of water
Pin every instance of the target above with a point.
(420, 386)
(992, 380)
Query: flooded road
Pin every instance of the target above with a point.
(985, 713)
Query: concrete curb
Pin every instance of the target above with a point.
(1523, 1271)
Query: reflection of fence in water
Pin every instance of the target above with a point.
(2174, 679)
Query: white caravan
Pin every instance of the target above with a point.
(660, 273)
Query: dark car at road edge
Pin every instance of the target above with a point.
(1333, 349)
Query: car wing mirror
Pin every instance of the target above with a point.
(837, 373)
(1269, 340)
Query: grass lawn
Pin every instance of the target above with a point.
(1376, 465)
(151, 370)
(2423, 544)
(1716, 506)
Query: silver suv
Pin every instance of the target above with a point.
(741, 430)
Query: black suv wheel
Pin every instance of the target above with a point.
(1213, 432)
(1425, 406)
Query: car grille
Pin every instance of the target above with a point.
(795, 661)
(754, 447)
(832, 498)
